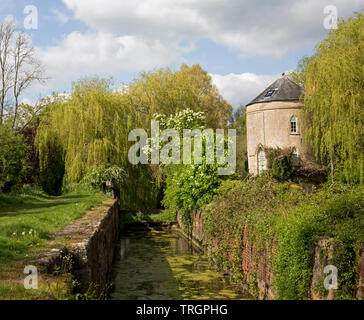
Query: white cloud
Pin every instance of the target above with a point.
(92, 53)
(263, 27)
(136, 35)
(242, 88)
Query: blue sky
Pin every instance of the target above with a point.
(244, 45)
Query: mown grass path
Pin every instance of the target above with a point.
(27, 222)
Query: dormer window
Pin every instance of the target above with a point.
(294, 127)
(269, 93)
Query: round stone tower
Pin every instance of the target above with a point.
(273, 120)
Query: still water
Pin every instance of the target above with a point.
(159, 264)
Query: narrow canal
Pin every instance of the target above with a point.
(157, 263)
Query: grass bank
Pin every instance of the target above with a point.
(27, 224)
(27, 221)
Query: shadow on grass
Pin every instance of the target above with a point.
(71, 196)
(30, 207)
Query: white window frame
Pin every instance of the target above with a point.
(294, 120)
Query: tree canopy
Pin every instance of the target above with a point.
(334, 100)
(91, 128)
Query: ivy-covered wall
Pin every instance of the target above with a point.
(276, 239)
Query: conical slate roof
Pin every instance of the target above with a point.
(281, 90)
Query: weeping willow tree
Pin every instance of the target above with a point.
(334, 101)
(90, 130)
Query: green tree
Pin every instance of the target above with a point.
(334, 100)
(88, 131)
(188, 186)
(241, 141)
(167, 92)
(12, 157)
(91, 128)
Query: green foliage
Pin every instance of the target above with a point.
(91, 129)
(334, 100)
(293, 260)
(168, 92)
(283, 225)
(13, 152)
(185, 119)
(88, 131)
(282, 167)
(241, 142)
(165, 216)
(52, 167)
(190, 187)
(97, 176)
(280, 162)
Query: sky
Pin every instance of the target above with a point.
(243, 44)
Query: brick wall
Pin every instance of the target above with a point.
(264, 269)
(324, 251)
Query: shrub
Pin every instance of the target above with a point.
(282, 167)
(189, 188)
(280, 162)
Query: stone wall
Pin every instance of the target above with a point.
(93, 256)
(324, 252)
(90, 245)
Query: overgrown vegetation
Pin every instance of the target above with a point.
(280, 162)
(271, 213)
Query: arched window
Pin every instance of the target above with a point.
(262, 161)
(294, 127)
